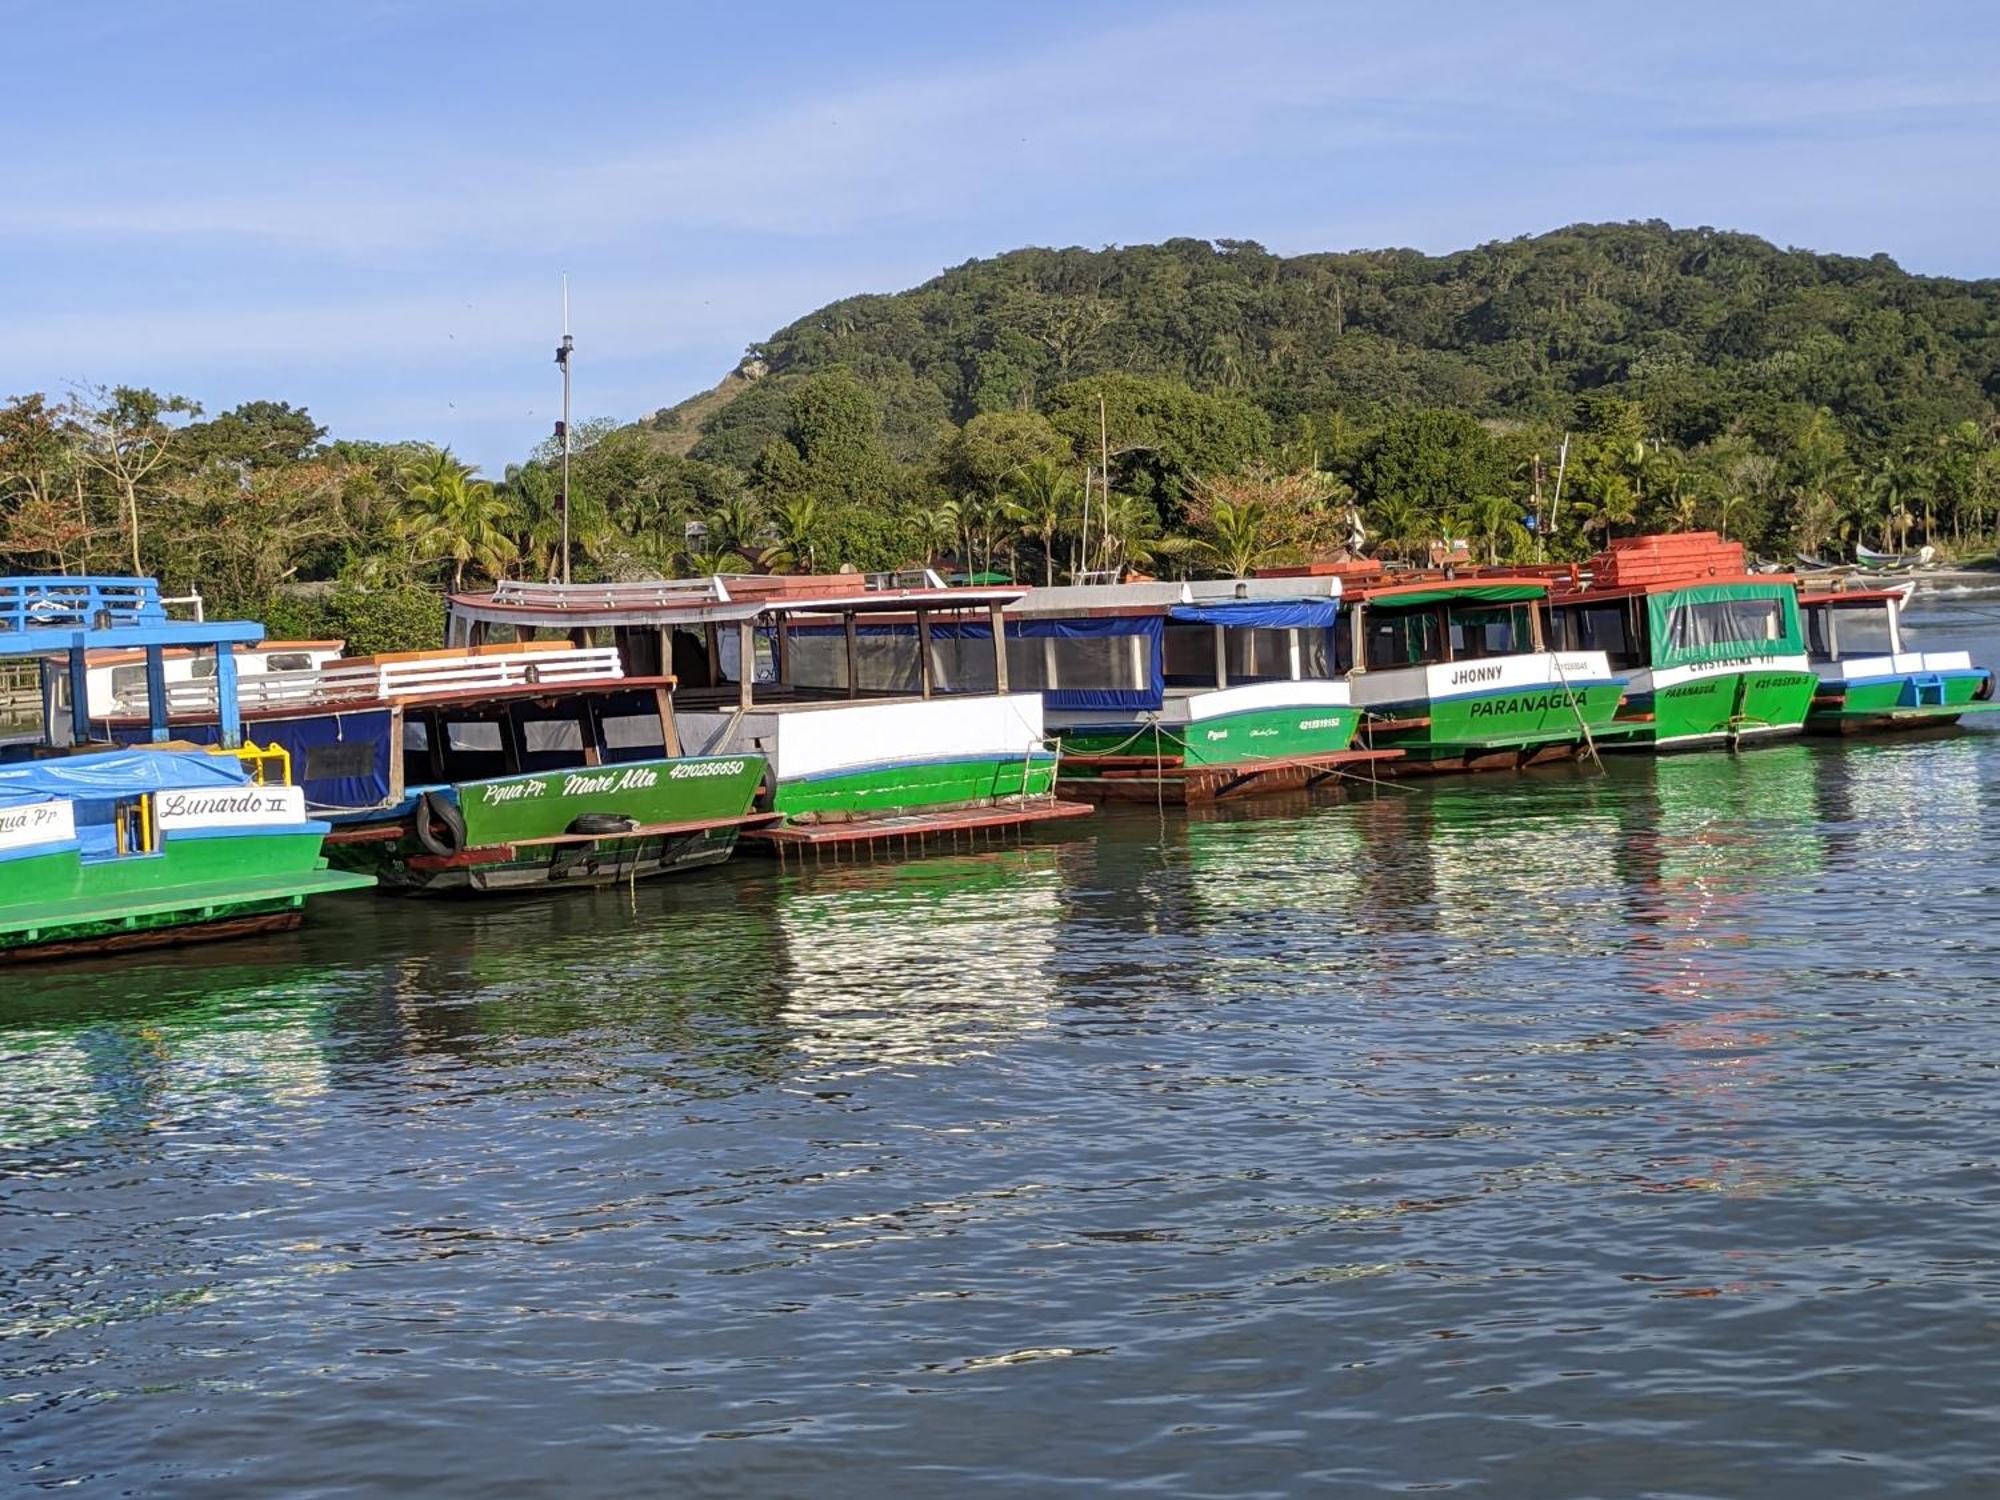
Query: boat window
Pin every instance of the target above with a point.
(128, 687)
(1596, 627)
(1860, 632)
(473, 736)
(632, 737)
(1724, 622)
(280, 661)
(1410, 638)
(1489, 632)
(1121, 663)
(202, 668)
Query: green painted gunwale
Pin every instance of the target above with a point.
(62, 897)
(1879, 703)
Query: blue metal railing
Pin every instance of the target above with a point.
(29, 604)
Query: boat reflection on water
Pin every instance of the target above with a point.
(1893, 808)
(1534, 879)
(917, 964)
(1717, 861)
(204, 1041)
(1711, 855)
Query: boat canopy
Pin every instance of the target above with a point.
(1720, 621)
(72, 617)
(1261, 614)
(118, 773)
(1458, 593)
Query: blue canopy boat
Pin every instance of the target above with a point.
(142, 846)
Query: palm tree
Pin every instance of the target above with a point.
(1041, 497)
(736, 525)
(1497, 520)
(795, 522)
(537, 501)
(449, 516)
(1239, 537)
(1397, 522)
(1132, 533)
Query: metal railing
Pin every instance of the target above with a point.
(667, 591)
(366, 681)
(78, 603)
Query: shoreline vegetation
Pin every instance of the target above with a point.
(1529, 398)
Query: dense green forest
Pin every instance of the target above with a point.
(1532, 397)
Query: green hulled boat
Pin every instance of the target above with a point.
(1188, 691)
(141, 847)
(1716, 656)
(1870, 682)
(1454, 673)
(503, 768)
(882, 706)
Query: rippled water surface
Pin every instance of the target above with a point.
(1559, 1134)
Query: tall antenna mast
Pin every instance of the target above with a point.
(1104, 478)
(562, 427)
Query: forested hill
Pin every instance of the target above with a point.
(1707, 329)
(1533, 398)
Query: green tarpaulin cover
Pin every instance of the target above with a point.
(1721, 621)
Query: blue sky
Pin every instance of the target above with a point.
(365, 207)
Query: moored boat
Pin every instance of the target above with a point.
(1870, 681)
(147, 847)
(1189, 692)
(110, 849)
(884, 709)
(1716, 655)
(502, 768)
(1456, 674)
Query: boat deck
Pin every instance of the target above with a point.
(206, 899)
(1168, 779)
(969, 826)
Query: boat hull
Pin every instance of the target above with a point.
(927, 785)
(1240, 738)
(1695, 709)
(518, 830)
(1897, 704)
(1497, 730)
(193, 890)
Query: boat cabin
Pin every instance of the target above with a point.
(63, 623)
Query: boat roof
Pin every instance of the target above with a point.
(1408, 591)
(106, 658)
(457, 677)
(719, 599)
(1109, 600)
(1827, 593)
(1585, 588)
(117, 773)
(40, 616)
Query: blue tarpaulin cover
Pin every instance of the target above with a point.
(1262, 614)
(117, 773)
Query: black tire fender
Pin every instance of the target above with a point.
(435, 807)
(602, 823)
